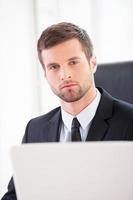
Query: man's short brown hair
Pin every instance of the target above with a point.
(61, 32)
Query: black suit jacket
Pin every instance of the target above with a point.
(113, 121)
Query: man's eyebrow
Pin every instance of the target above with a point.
(73, 58)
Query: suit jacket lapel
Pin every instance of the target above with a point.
(97, 130)
(100, 123)
(53, 127)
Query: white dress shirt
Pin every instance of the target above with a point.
(84, 117)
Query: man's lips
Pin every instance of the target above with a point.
(68, 85)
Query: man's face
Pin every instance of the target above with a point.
(68, 71)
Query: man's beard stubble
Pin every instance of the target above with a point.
(71, 95)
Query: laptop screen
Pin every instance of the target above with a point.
(73, 171)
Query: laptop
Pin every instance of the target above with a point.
(73, 171)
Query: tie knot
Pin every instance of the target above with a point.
(75, 123)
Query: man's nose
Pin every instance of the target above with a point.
(65, 73)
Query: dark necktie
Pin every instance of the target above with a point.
(75, 132)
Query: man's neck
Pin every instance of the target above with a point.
(76, 107)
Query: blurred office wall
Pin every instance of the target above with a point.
(19, 98)
(24, 91)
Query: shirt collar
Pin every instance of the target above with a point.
(85, 116)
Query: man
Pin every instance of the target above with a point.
(66, 54)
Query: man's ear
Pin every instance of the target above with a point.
(93, 63)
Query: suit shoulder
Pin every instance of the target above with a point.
(46, 117)
(124, 107)
(123, 114)
(109, 104)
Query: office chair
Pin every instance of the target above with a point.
(117, 79)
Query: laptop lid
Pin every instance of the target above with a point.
(73, 171)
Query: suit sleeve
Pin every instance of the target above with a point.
(129, 132)
(11, 193)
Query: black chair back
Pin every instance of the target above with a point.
(117, 79)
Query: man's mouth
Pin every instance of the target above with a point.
(70, 85)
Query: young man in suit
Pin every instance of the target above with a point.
(66, 54)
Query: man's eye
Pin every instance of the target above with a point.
(54, 67)
(73, 62)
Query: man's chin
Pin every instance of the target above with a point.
(70, 95)
(70, 98)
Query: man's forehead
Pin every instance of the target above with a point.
(63, 52)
